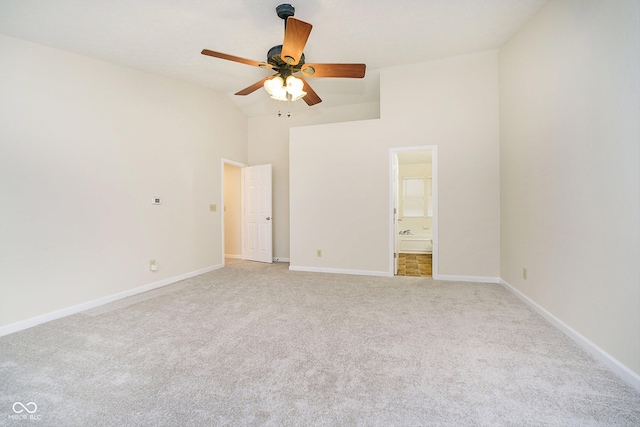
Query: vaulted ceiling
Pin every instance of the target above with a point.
(165, 37)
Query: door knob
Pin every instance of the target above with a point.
(268, 218)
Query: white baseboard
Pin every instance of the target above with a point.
(626, 374)
(476, 279)
(47, 317)
(275, 259)
(341, 271)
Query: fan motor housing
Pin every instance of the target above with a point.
(274, 58)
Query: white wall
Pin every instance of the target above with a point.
(340, 173)
(453, 103)
(84, 146)
(269, 144)
(570, 168)
(232, 211)
(339, 197)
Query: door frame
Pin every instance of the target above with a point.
(393, 190)
(223, 162)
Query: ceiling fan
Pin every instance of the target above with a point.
(288, 59)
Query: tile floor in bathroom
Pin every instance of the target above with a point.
(418, 265)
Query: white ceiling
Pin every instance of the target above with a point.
(165, 37)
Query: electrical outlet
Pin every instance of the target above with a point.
(153, 265)
(524, 273)
(319, 253)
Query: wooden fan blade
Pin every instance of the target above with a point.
(253, 87)
(236, 59)
(355, 71)
(295, 38)
(311, 98)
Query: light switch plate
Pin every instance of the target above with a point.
(212, 208)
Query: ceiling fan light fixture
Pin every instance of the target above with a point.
(281, 91)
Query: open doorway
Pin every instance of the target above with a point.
(231, 210)
(247, 231)
(414, 220)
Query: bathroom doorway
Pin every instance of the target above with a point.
(413, 194)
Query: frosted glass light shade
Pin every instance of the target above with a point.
(275, 88)
(295, 88)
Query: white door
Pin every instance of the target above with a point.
(258, 231)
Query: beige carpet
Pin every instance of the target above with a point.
(253, 344)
